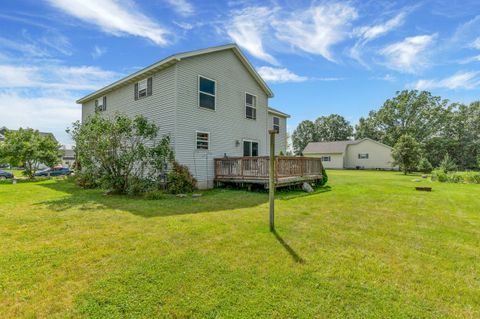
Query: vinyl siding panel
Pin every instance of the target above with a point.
(281, 137)
(336, 160)
(227, 124)
(379, 156)
(158, 108)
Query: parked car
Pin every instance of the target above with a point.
(56, 171)
(5, 175)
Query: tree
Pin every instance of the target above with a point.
(424, 166)
(303, 134)
(447, 164)
(418, 114)
(406, 153)
(332, 128)
(368, 128)
(27, 147)
(121, 154)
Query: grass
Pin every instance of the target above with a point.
(369, 246)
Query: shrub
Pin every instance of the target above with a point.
(154, 195)
(447, 164)
(439, 175)
(472, 177)
(424, 166)
(324, 177)
(180, 180)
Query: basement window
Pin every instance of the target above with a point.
(363, 156)
(202, 140)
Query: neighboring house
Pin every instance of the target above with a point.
(2, 137)
(362, 154)
(3, 130)
(211, 102)
(68, 157)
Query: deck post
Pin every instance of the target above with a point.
(271, 175)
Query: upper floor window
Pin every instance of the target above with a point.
(206, 93)
(363, 156)
(276, 124)
(101, 104)
(143, 88)
(202, 140)
(250, 106)
(326, 159)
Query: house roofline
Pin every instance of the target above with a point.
(173, 59)
(277, 112)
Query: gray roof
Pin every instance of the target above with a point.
(277, 112)
(334, 147)
(327, 147)
(174, 59)
(69, 153)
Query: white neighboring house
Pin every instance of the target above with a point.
(211, 102)
(362, 154)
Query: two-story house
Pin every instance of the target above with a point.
(212, 103)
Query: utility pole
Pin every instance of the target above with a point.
(271, 184)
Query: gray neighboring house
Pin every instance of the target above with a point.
(68, 157)
(211, 102)
(361, 154)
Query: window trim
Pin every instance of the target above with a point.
(214, 95)
(103, 105)
(273, 123)
(196, 141)
(253, 107)
(363, 158)
(251, 141)
(324, 158)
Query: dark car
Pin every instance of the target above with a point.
(57, 171)
(5, 175)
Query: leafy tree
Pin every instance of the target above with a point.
(406, 153)
(367, 127)
(303, 134)
(478, 161)
(425, 166)
(121, 154)
(27, 147)
(447, 164)
(418, 114)
(332, 128)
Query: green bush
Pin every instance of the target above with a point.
(154, 195)
(472, 177)
(456, 177)
(180, 180)
(324, 177)
(439, 175)
(447, 164)
(424, 166)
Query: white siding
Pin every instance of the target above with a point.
(159, 107)
(281, 137)
(379, 156)
(227, 124)
(336, 159)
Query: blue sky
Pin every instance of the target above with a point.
(319, 57)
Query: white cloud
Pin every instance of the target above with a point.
(247, 29)
(54, 77)
(460, 80)
(26, 49)
(280, 75)
(98, 51)
(408, 55)
(476, 43)
(372, 32)
(182, 7)
(117, 17)
(317, 29)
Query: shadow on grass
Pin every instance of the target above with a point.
(288, 248)
(94, 200)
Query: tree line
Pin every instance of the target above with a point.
(441, 129)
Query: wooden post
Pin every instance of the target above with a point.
(271, 189)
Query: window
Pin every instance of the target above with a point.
(202, 140)
(326, 159)
(250, 148)
(250, 106)
(276, 124)
(363, 156)
(206, 93)
(143, 88)
(101, 104)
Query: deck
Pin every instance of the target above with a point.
(289, 170)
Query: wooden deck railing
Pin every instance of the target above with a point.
(258, 167)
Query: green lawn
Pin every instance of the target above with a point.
(369, 246)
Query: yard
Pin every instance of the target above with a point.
(368, 246)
